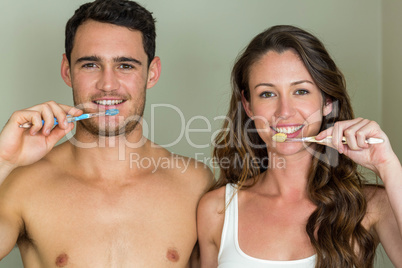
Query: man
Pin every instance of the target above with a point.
(85, 204)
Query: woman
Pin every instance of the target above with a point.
(297, 204)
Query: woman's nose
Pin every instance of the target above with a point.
(285, 108)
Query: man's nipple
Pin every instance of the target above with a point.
(172, 255)
(62, 260)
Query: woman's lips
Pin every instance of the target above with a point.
(290, 131)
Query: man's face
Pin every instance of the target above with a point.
(108, 70)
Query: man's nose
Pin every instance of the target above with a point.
(108, 80)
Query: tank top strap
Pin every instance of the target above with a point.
(229, 225)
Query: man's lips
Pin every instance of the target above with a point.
(109, 102)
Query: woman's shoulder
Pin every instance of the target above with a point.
(375, 194)
(213, 201)
(378, 205)
(211, 216)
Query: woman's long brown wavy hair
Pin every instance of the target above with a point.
(334, 185)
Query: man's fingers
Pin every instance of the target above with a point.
(71, 110)
(47, 112)
(56, 135)
(48, 116)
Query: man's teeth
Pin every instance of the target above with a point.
(287, 130)
(108, 102)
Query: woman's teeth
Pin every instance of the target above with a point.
(108, 102)
(287, 130)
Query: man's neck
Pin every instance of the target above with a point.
(108, 157)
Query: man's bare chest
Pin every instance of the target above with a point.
(94, 227)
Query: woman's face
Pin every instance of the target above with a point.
(284, 99)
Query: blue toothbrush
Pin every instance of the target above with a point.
(71, 119)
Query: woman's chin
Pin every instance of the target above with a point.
(288, 148)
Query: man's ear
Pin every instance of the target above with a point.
(246, 105)
(154, 72)
(65, 71)
(327, 109)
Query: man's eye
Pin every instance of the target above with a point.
(89, 65)
(301, 92)
(267, 94)
(125, 66)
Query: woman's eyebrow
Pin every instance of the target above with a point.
(301, 82)
(292, 84)
(264, 85)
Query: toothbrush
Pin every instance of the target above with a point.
(71, 119)
(281, 137)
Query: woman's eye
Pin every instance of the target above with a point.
(267, 94)
(301, 92)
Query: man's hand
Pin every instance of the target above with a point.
(20, 147)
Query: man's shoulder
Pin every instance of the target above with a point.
(183, 168)
(191, 168)
(179, 163)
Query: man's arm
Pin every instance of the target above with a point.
(11, 222)
(20, 147)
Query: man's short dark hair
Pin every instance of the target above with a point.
(118, 12)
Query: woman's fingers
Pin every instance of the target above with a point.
(356, 132)
(352, 132)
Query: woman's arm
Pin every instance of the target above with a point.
(385, 206)
(210, 218)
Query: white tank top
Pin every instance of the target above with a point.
(230, 254)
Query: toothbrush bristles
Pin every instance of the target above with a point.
(280, 137)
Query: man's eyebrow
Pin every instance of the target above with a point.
(292, 84)
(116, 59)
(127, 59)
(88, 58)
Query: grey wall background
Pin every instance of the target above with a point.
(198, 42)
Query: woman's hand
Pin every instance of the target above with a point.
(375, 157)
(19, 146)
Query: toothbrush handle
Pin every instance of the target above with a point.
(374, 141)
(29, 124)
(368, 141)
